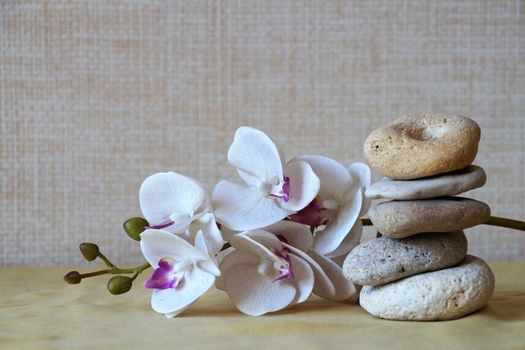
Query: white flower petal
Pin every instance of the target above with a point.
(158, 244)
(255, 294)
(304, 185)
(323, 286)
(206, 265)
(267, 239)
(334, 178)
(304, 279)
(194, 284)
(256, 154)
(211, 233)
(235, 258)
(296, 234)
(244, 208)
(219, 257)
(362, 172)
(349, 242)
(164, 194)
(245, 242)
(200, 244)
(344, 289)
(327, 240)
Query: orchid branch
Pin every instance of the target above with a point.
(493, 221)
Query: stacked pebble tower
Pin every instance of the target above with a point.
(419, 268)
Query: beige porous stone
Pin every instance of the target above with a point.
(398, 219)
(439, 295)
(448, 184)
(382, 260)
(423, 145)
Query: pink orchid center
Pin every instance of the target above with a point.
(279, 190)
(284, 266)
(318, 213)
(168, 274)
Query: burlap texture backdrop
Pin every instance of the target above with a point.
(95, 96)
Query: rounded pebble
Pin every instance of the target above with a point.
(382, 260)
(448, 184)
(398, 219)
(439, 295)
(423, 145)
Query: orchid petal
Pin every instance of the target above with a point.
(245, 242)
(164, 194)
(256, 294)
(207, 265)
(219, 257)
(235, 258)
(344, 289)
(244, 208)
(265, 238)
(323, 286)
(256, 154)
(362, 172)
(194, 284)
(304, 185)
(200, 243)
(304, 279)
(211, 233)
(158, 244)
(295, 234)
(327, 240)
(349, 242)
(334, 178)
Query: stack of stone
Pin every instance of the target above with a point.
(419, 268)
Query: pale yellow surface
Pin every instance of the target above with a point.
(38, 310)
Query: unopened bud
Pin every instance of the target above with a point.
(119, 285)
(89, 250)
(73, 277)
(134, 227)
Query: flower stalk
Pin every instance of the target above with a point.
(492, 221)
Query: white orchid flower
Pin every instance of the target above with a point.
(261, 275)
(180, 205)
(337, 207)
(296, 241)
(182, 273)
(330, 282)
(273, 189)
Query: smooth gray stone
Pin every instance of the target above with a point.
(382, 260)
(439, 295)
(448, 184)
(398, 219)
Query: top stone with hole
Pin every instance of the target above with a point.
(423, 145)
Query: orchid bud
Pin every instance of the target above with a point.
(73, 277)
(134, 227)
(119, 285)
(89, 250)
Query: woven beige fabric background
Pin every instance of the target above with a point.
(95, 96)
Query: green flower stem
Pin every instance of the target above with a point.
(504, 222)
(106, 260)
(114, 270)
(493, 221)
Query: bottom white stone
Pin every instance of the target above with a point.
(439, 295)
